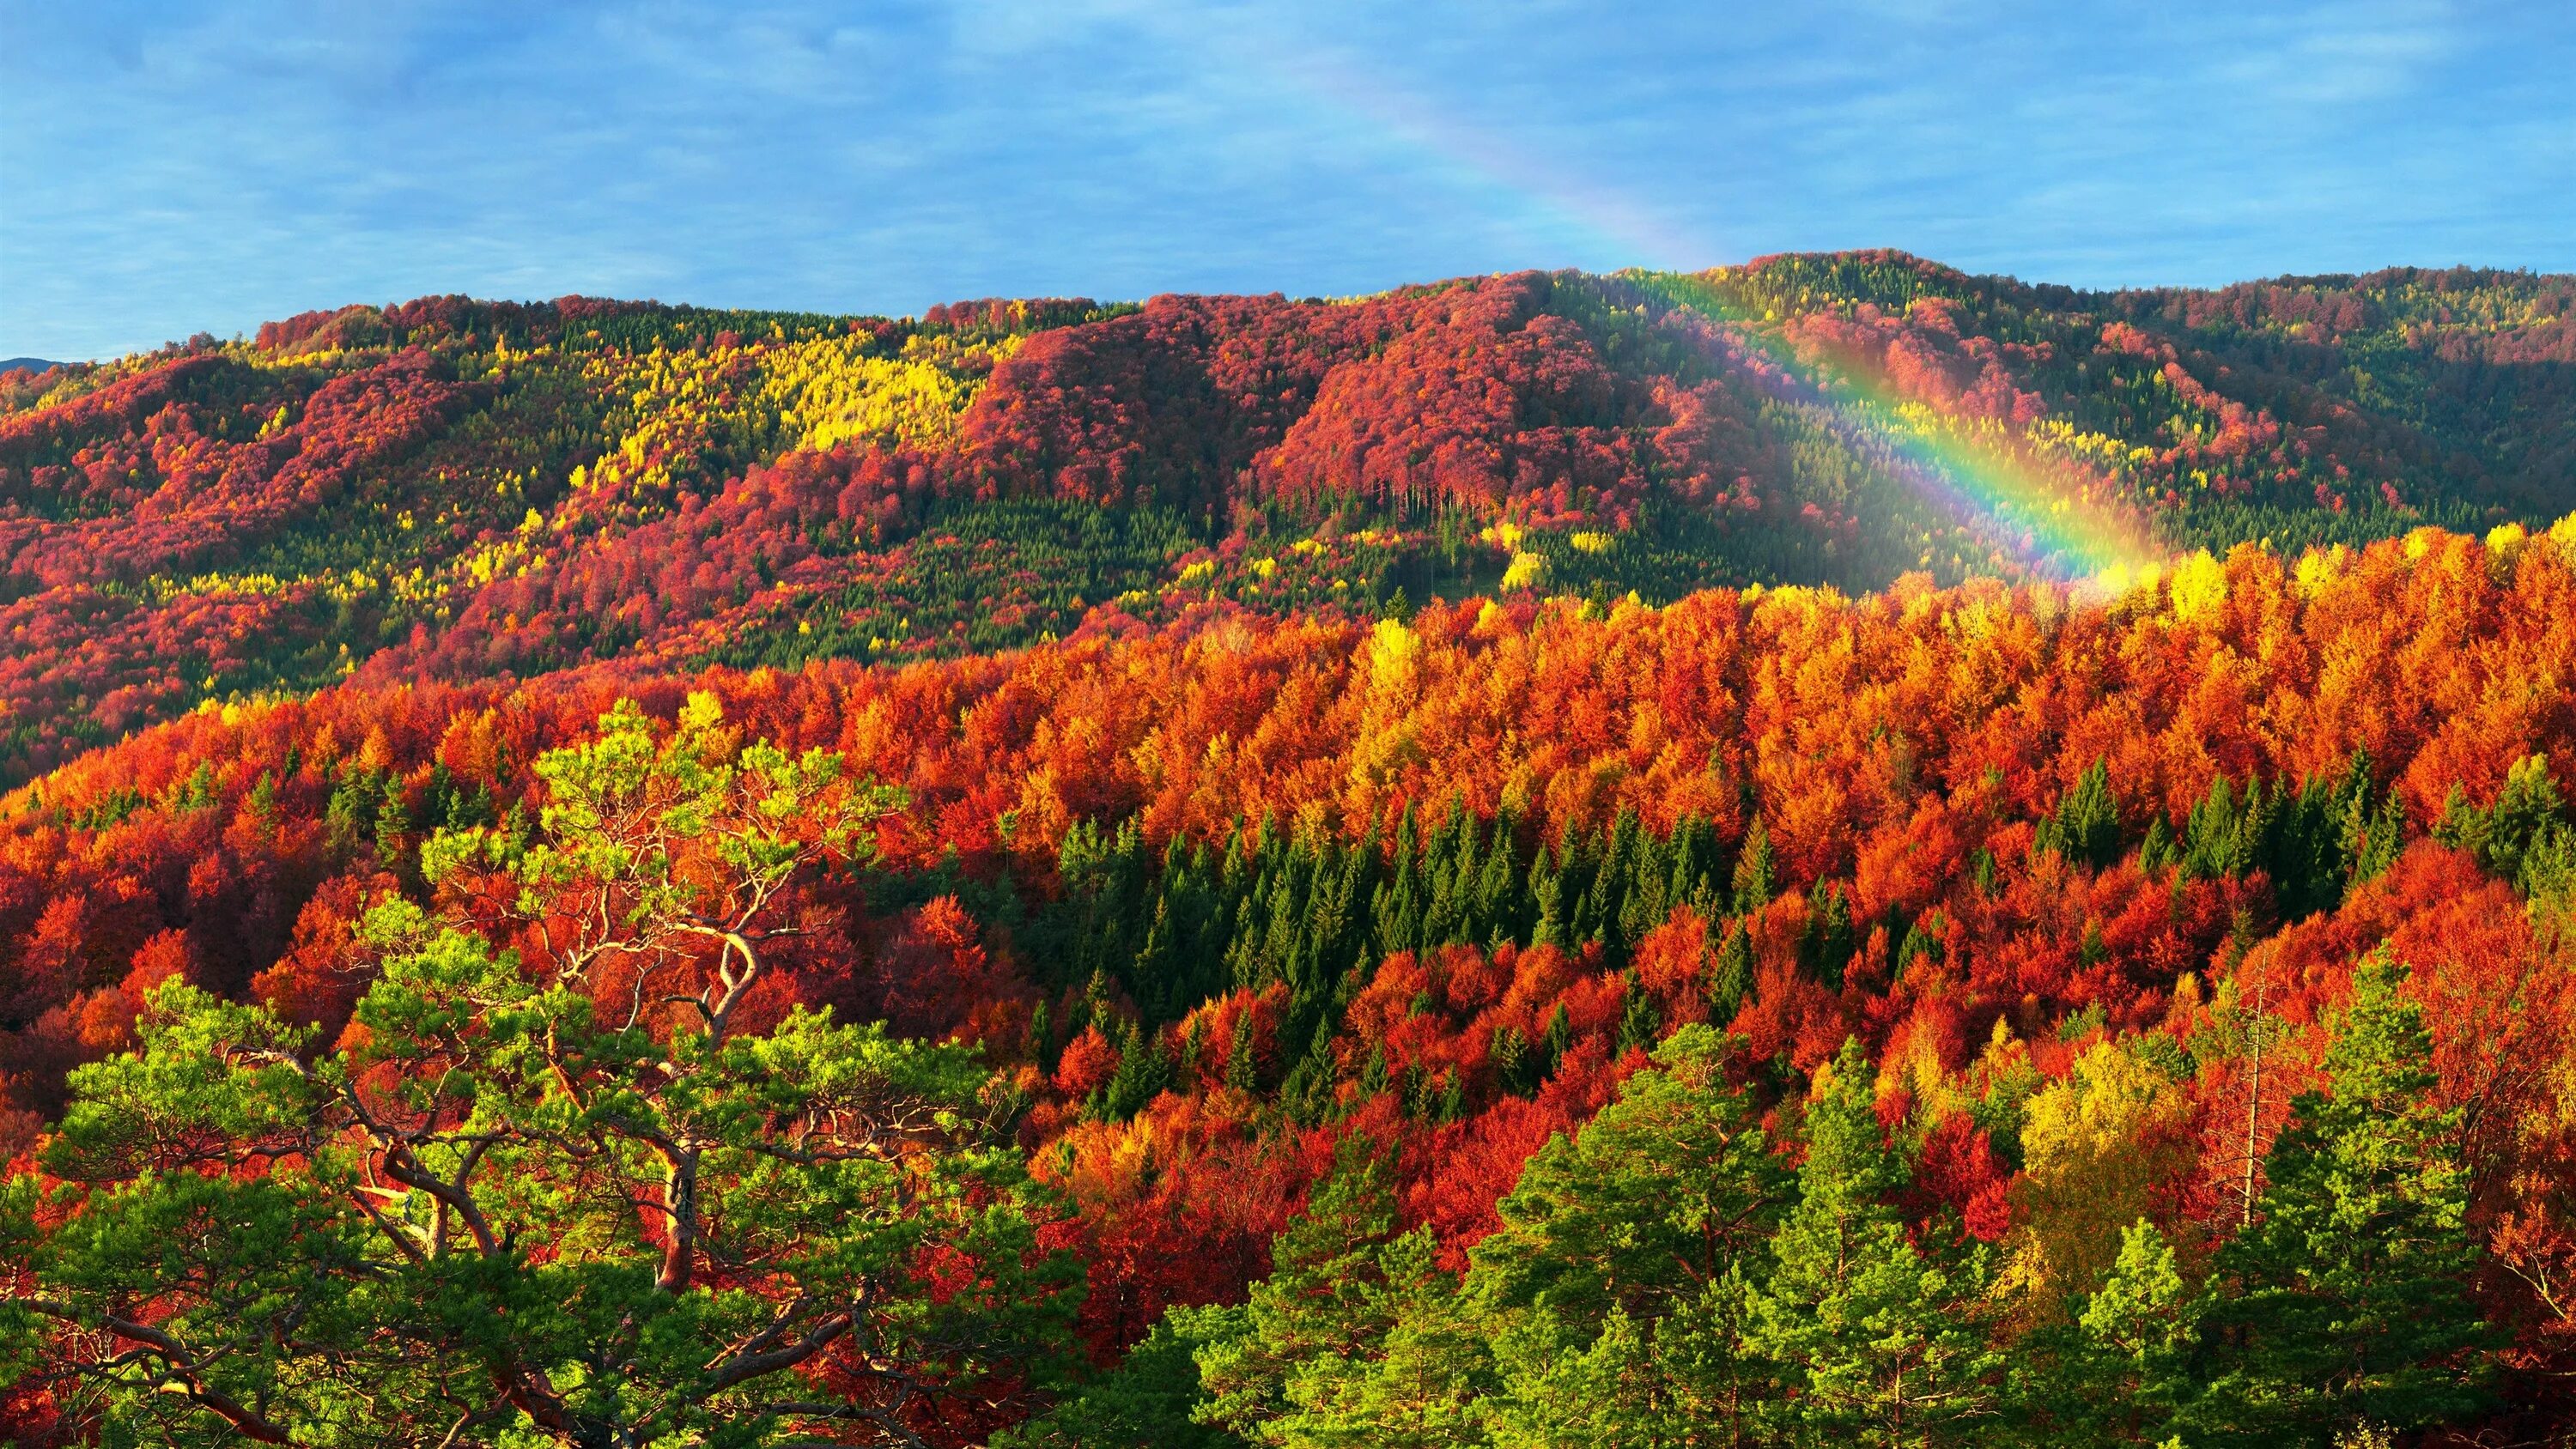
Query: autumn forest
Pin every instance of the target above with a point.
(1817, 853)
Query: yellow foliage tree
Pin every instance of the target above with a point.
(2096, 1147)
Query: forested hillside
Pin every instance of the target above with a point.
(459, 490)
(1820, 853)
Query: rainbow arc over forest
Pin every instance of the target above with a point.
(2054, 518)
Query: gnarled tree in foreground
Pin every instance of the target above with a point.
(548, 1188)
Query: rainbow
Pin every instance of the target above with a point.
(1600, 219)
(2055, 519)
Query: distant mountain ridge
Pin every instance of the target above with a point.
(26, 364)
(463, 489)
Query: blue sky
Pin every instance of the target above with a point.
(171, 168)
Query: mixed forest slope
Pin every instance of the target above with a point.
(460, 490)
(1399, 794)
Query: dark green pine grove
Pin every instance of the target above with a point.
(1169, 928)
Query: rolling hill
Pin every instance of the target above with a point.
(459, 489)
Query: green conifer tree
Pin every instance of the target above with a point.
(1143, 1072)
(1352, 1339)
(1498, 877)
(1829, 942)
(1558, 1039)
(1878, 1339)
(1242, 1068)
(2346, 1302)
(2129, 1364)
(393, 829)
(1547, 897)
(1307, 1095)
(1661, 1193)
(2086, 828)
(1515, 1065)
(1143, 1403)
(1731, 982)
(1754, 870)
(1639, 1024)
